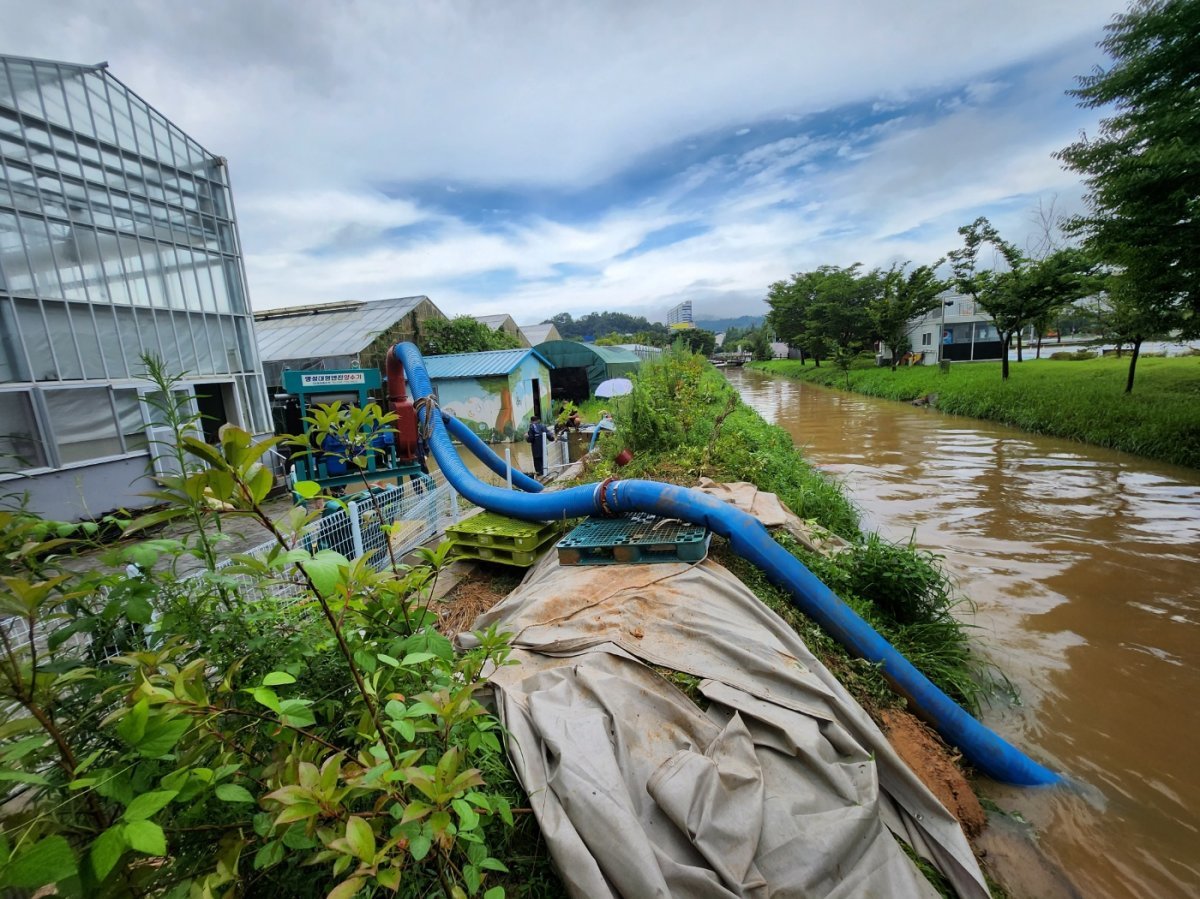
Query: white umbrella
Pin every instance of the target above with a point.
(614, 387)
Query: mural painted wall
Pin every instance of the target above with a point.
(499, 408)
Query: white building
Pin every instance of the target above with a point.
(680, 315)
(955, 331)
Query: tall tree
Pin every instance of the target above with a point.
(901, 298)
(823, 310)
(1024, 289)
(698, 340)
(1142, 169)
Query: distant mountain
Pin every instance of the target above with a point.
(718, 325)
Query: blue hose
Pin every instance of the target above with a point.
(982, 747)
(484, 454)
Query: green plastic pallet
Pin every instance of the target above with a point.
(634, 539)
(502, 554)
(488, 529)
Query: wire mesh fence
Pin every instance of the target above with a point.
(404, 516)
(379, 524)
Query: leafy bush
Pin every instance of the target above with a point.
(184, 737)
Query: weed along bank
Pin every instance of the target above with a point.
(311, 720)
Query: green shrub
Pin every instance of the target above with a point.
(187, 737)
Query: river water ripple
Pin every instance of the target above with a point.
(1084, 566)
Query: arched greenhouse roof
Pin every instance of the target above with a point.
(601, 362)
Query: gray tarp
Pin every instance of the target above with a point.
(783, 787)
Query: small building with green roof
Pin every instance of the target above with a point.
(580, 367)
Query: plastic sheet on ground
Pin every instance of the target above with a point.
(783, 786)
(770, 510)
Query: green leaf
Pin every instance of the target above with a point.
(389, 879)
(406, 729)
(270, 854)
(493, 864)
(347, 888)
(296, 838)
(204, 451)
(473, 878)
(263, 824)
(24, 777)
(388, 660)
(148, 804)
(295, 713)
(265, 696)
(278, 678)
(107, 850)
(418, 846)
(147, 837)
(261, 481)
(306, 489)
(416, 658)
(467, 816)
(142, 555)
(234, 793)
(505, 810)
(361, 839)
(49, 860)
(324, 574)
(21, 748)
(138, 610)
(153, 518)
(494, 893)
(161, 736)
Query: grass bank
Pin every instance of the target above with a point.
(684, 421)
(1077, 399)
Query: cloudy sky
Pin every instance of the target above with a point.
(538, 157)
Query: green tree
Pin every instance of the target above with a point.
(595, 324)
(697, 340)
(1024, 290)
(1142, 169)
(462, 334)
(902, 298)
(760, 345)
(824, 310)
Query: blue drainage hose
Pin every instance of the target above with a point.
(983, 748)
(484, 454)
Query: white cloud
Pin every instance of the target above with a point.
(319, 107)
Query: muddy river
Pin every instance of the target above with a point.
(1084, 565)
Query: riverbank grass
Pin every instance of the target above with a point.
(684, 421)
(1077, 399)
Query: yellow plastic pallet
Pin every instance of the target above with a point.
(502, 554)
(488, 529)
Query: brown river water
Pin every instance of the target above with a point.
(1084, 566)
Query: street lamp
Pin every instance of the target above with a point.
(942, 329)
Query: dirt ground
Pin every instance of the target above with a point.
(933, 762)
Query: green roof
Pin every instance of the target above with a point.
(601, 362)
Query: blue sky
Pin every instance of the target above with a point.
(538, 157)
